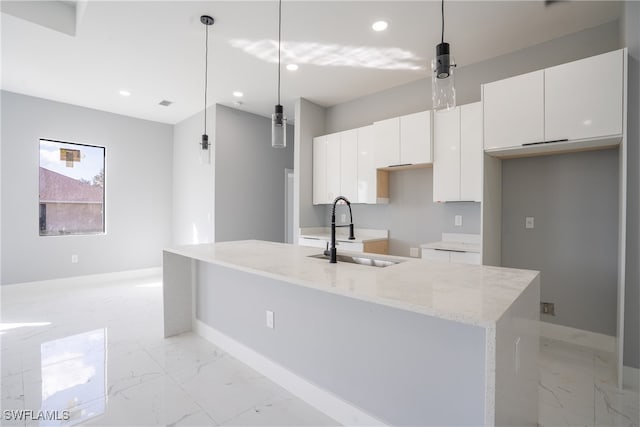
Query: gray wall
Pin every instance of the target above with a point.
(411, 217)
(249, 177)
(574, 200)
(310, 122)
(416, 96)
(631, 38)
(138, 191)
(401, 367)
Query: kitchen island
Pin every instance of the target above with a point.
(415, 343)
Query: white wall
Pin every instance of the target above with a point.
(138, 191)
(193, 181)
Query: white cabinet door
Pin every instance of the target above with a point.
(320, 170)
(436, 255)
(333, 167)
(366, 166)
(415, 138)
(465, 257)
(349, 165)
(314, 243)
(386, 137)
(471, 152)
(583, 99)
(514, 111)
(446, 155)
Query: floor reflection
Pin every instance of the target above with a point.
(73, 372)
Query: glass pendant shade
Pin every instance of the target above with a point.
(442, 83)
(278, 128)
(205, 150)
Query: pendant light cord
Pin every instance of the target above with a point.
(206, 73)
(442, 36)
(279, 41)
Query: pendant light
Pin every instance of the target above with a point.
(205, 156)
(278, 119)
(443, 90)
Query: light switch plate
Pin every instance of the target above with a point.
(270, 320)
(74, 259)
(414, 252)
(458, 221)
(528, 222)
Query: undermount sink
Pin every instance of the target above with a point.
(372, 262)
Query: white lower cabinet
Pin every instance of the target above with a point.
(451, 256)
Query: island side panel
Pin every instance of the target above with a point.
(517, 372)
(177, 293)
(402, 368)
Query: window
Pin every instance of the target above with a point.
(71, 188)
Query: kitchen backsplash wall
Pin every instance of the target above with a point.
(411, 216)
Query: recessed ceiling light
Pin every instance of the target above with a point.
(292, 67)
(238, 94)
(379, 25)
(125, 93)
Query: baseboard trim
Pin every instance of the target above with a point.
(94, 278)
(631, 378)
(578, 336)
(324, 401)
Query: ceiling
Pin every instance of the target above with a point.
(85, 52)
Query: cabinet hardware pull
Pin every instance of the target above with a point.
(545, 142)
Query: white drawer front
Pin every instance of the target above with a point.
(435, 254)
(466, 257)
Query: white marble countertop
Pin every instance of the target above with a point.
(362, 235)
(471, 294)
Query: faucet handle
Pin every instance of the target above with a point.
(326, 251)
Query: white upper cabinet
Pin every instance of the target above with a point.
(583, 99)
(349, 165)
(514, 111)
(367, 183)
(415, 138)
(471, 152)
(333, 166)
(457, 165)
(319, 170)
(386, 137)
(573, 106)
(446, 147)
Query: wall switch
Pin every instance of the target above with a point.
(516, 355)
(458, 220)
(528, 222)
(414, 252)
(74, 259)
(270, 323)
(548, 308)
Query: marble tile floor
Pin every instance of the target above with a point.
(96, 351)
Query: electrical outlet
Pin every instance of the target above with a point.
(458, 220)
(270, 320)
(343, 218)
(528, 222)
(414, 252)
(548, 308)
(74, 259)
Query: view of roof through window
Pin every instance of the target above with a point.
(71, 188)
